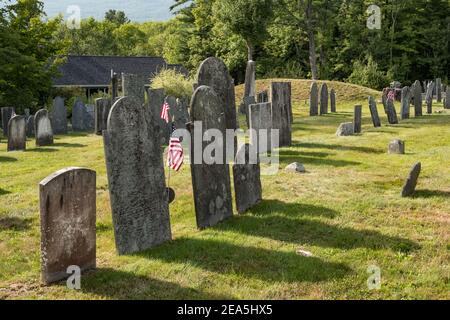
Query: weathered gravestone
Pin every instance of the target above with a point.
(59, 116)
(357, 119)
(89, 119)
(410, 186)
(406, 101)
(17, 137)
(263, 96)
(134, 162)
(180, 114)
(114, 86)
(447, 98)
(79, 116)
(43, 131)
(247, 178)
(439, 90)
(314, 100)
(27, 113)
(333, 100)
(156, 99)
(429, 97)
(391, 112)
(260, 116)
(101, 112)
(324, 99)
(7, 114)
(210, 179)
(417, 94)
(295, 167)
(345, 129)
(68, 217)
(134, 86)
(280, 94)
(374, 112)
(30, 127)
(250, 80)
(384, 99)
(396, 147)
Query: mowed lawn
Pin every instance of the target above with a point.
(346, 210)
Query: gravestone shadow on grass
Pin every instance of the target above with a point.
(7, 159)
(14, 223)
(338, 147)
(293, 156)
(3, 192)
(425, 193)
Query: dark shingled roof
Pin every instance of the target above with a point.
(95, 71)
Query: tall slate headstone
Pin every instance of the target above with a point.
(406, 101)
(79, 116)
(333, 100)
(429, 97)
(180, 114)
(68, 217)
(89, 120)
(411, 182)
(156, 99)
(7, 113)
(17, 137)
(101, 112)
(447, 98)
(439, 90)
(43, 131)
(417, 93)
(357, 119)
(391, 112)
(114, 86)
(30, 127)
(134, 162)
(247, 178)
(374, 112)
(59, 116)
(261, 124)
(280, 94)
(314, 100)
(324, 99)
(134, 86)
(211, 182)
(250, 80)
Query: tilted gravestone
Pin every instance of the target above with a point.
(406, 102)
(30, 127)
(333, 100)
(134, 86)
(7, 113)
(43, 131)
(101, 112)
(68, 217)
(417, 94)
(59, 116)
(134, 162)
(260, 116)
(210, 179)
(429, 97)
(447, 98)
(79, 116)
(314, 100)
(391, 112)
(374, 112)
(410, 185)
(247, 178)
(250, 80)
(280, 96)
(384, 99)
(17, 137)
(263, 96)
(156, 99)
(439, 90)
(357, 119)
(324, 99)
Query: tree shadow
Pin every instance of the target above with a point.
(339, 147)
(431, 194)
(268, 207)
(121, 285)
(7, 159)
(263, 264)
(15, 224)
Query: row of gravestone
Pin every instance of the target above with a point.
(136, 178)
(319, 104)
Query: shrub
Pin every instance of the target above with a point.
(368, 75)
(174, 83)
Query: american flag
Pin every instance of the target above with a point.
(165, 112)
(175, 156)
(391, 95)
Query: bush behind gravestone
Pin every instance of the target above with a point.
(174, 83)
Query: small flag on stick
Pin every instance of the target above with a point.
(175, 157)
(165, 112)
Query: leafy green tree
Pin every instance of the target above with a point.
(116, 16)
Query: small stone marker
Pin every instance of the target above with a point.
(345, 129)
(429, 97)
(396, 147)
(280, 93)
(43, 129)
(68, 217)
(134, 162)
(406, 101)
(296, 167)
(410, 186)
(333, 100)
(324, 99)
(7, 113)
(357, 119)
(17, 137)
(261, 124)
(247, 178)
(314, 100)
(439, 90)
(374, 112)
(417, 92)
(30, 127)
(391, 112)
(102, 108)
(59, 116)
(211, 182)
(134, 86)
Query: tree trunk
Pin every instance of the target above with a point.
(312, 41)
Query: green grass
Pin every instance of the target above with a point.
(346, 210)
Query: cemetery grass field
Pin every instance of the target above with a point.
(346, 210)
